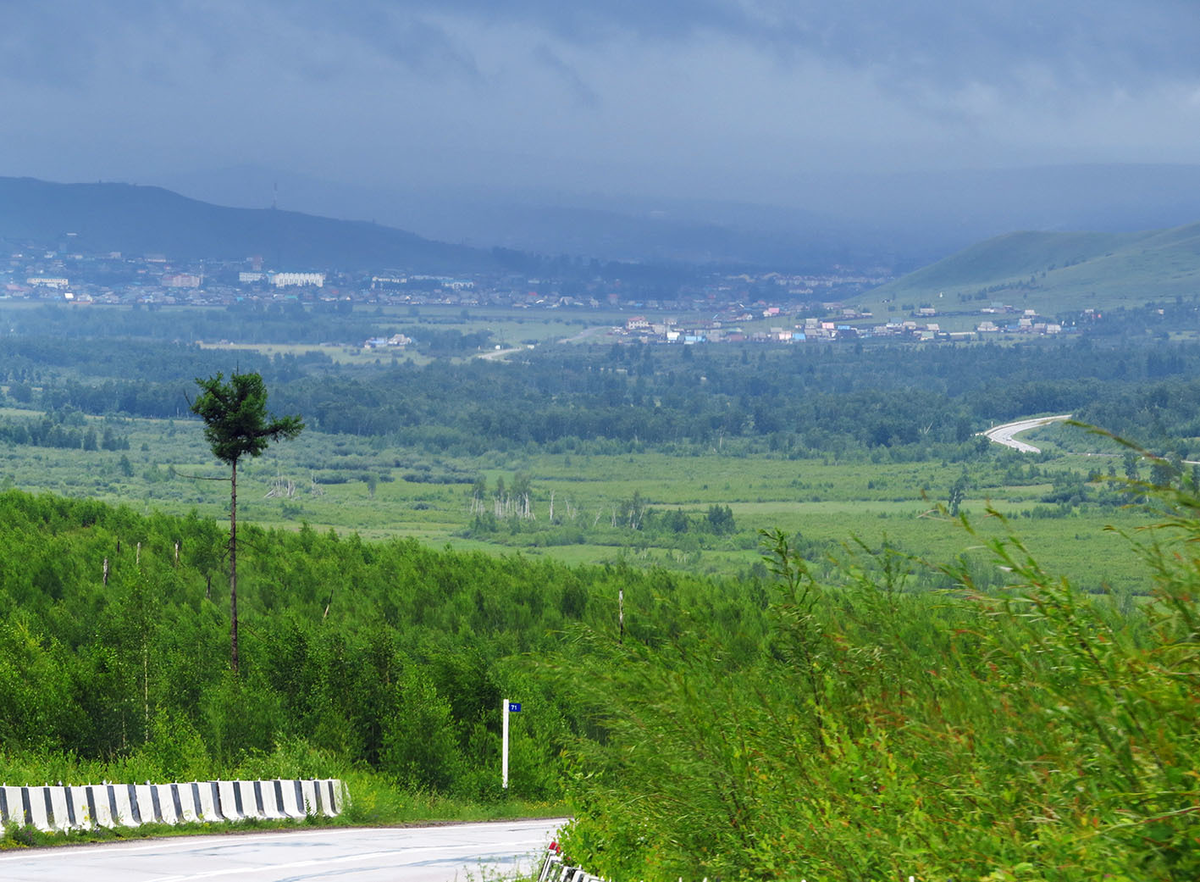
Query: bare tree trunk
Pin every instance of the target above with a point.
(145, 686)
(233, 628)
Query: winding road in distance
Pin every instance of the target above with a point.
(377, 854)
(1004, 434)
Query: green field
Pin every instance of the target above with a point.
(352, 484)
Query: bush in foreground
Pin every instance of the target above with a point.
(1028, 734)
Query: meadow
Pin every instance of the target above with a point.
(364, 485)
(835, 445)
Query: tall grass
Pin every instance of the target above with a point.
(1029, 733)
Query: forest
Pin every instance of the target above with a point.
(846, 399)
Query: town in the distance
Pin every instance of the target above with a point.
(715, 307)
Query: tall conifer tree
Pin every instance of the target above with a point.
(236, 424)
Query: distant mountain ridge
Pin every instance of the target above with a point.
(1059, 271)
(812, 221)
(133, 219)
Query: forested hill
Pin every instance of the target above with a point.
(109, 217)
(114, 647)
(1057, 272)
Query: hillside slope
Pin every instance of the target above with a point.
(150, 220)
(1056, 272)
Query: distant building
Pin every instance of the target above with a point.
(249, 278)
(288, 280)
(47, 282)
(182, 280)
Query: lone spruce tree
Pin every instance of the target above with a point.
(236, 424)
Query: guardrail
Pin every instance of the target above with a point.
(556, 869)
(58, 808)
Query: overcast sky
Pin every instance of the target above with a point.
(726, 98)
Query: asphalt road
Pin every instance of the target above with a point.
(1004, 434)
(410, 854)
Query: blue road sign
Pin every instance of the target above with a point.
(514, 707)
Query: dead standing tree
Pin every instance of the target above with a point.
(235, 425)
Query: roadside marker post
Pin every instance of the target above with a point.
(506, 707)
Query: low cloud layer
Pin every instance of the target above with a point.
(731, 98)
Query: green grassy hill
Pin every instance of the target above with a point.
(1056, 272)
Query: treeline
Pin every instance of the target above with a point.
(247, 322)
(62, 432)
(42, 333)
(796, 401)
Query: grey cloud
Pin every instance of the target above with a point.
(61, 43)
(46, 44)
(567, 75)
(939, 42)
(951, 41)
(393, 30)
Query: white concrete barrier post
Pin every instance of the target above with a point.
(331, 791)
(290, 799)
(56, 802)
(271, 809)
(164, 803)
(228, 800)
(37, 807)
(123, 806)
(308, 791)
(147, 806)
(99, 806)
(183, 797)
(247, 799)
(78, 807)
(208, 801)
(10, 805)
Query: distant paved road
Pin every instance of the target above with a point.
(1004, 434)
(586, 333)
(412, 854)
(497, 354)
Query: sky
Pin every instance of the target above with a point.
(732, 99)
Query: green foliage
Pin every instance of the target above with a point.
(385, 657)
(235, 417)
(1027, 732)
